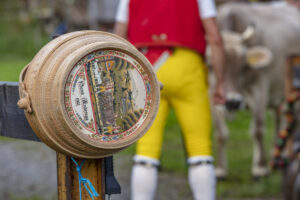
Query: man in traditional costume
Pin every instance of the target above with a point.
(172, 34)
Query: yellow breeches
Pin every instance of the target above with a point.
(184, 76)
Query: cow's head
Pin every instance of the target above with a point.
(242, 64)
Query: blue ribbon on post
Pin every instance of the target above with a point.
(86, 182)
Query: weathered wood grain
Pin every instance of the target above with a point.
(68, 188)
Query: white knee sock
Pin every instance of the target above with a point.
(202, 178)
(144, 178)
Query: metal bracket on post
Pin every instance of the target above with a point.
(111, 184)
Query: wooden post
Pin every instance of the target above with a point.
(67, 177)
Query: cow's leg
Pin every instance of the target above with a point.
(259, 165)
(258, 106)
(221, 132)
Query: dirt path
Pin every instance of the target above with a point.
(28, 169)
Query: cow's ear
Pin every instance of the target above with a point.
(259, 57)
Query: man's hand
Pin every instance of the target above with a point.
(219, 94)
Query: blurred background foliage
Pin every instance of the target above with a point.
(21, 36)
(20, 32)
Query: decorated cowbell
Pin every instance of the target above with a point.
(89, 94)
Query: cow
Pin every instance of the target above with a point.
(257, 39)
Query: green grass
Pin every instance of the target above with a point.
(239, 154)
(18, 48)
(11, 66)
(240, 183)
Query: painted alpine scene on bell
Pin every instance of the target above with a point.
(106, 95)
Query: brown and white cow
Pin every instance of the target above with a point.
(257, 39)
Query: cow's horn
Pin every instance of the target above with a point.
(248, 33)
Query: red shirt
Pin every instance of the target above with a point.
(168, 23)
